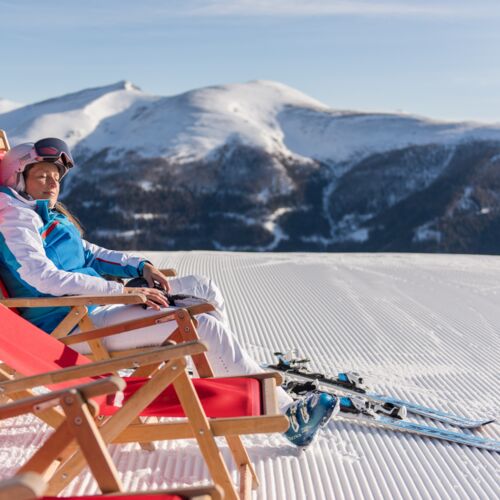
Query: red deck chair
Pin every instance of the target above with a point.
(225, 407)
(30, 486)
(79, 429)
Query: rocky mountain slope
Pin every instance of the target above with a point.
(261, 166)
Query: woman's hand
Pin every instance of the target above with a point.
(155, 298)
(152, 275)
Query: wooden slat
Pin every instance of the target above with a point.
(269, 399)
(125, 326)
(69, 322)
(96, 346)
(219, 426)
(76, 300)
(243, 461)
(47, 458)
(52, 416)
(246, 483)
(32, 404)
(187, 332)
(129, 352)
(276, 376)
(170, 272)
(135, 324)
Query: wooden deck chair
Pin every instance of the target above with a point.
(31, 486)
(98, 350)
(227, 406)
(78, 429)
(78, 314)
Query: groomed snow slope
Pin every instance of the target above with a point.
(423, 327)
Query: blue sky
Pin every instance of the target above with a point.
(434, 58)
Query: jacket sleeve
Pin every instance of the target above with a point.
(24, 254)
(120, 264)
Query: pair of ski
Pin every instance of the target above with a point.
(359, 405)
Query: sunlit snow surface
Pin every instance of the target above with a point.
(422, 327)
(6, 105)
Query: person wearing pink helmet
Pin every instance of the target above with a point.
(43, 253)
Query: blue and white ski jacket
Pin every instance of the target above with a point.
(42, 254)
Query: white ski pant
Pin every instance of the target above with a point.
(225, 353)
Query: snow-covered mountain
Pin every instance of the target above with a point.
(262, 166)
(6, 105)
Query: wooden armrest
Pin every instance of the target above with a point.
(152, 357)
(133, 324)
(76, 300)
(100, 387)
(277, 376)
(170, 272)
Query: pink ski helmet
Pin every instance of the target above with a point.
(19, 157)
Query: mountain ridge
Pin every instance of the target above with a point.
(262, 166)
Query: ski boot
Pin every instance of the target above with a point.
(308, 414)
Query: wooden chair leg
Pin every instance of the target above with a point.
(89, 439)
(147, 446)
(198, 421)
(248, 476)
(48, 458)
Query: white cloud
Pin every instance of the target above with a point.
(288, 8)
(130, 12)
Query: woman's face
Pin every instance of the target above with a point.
(42, 182)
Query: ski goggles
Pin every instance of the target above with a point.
(52, 150)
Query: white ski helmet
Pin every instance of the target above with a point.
(19, 157)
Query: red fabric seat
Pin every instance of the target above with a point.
(220, 397)
(29, 351)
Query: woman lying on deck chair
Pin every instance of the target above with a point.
(42, 253)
